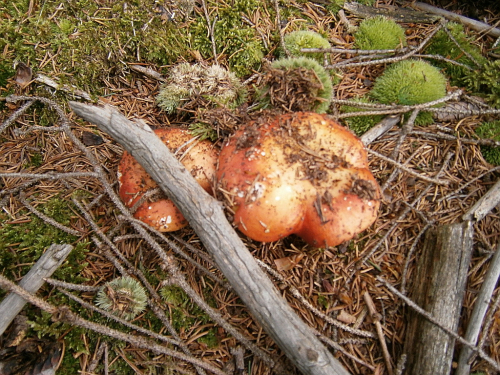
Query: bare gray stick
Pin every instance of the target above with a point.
(45, 267)
(73, 90)
(485, 204)
(207, 218)
(478, 313)
(380, 129)
(473, 24)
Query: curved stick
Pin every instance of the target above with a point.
(207, 218)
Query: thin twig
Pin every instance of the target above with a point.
(408, 170)
(314, 310)
(400, 367)
(47, 219)
(389, 59)
(16, 114)
(442, 58)
(278, 25)
(405, 130)
(97, 357)
(70, 286)
(338, 347)
(50, 175)
(376, 320)
(210, 28)
(449, 137)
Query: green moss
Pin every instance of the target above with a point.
(203, 130)
(185, 314)
(360, 124)
(442, 45)
(410, 82)
(236, 40)
(486, 82)
(90, 44)
(490, 130)
(43, 327)
(174, 295)
(36, 160)
(6, 72)
(323, 301)
(335, 5)
(379, 33)
(296, 40)
(23, 244)
(210, 339)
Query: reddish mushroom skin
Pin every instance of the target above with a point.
(200, 160)
(299, 173)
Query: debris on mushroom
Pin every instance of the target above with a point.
(198, 157)
(298, 173)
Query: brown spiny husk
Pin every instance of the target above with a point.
(291, 90)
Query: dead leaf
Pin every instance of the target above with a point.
(327, 286)
(286, 264)
(24, 74)
(91, 139)
(18, 332)
(345, 317)
(344, 298)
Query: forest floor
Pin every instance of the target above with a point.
(97, 51)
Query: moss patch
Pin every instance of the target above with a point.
(379, 33)
(441, 44)
(410, 82)
(490, 130)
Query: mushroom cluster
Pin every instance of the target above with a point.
(298, 173)
(199, 158)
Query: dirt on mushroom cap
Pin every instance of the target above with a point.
(298, 173)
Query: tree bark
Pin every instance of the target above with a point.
(439, 287)
(207, 218)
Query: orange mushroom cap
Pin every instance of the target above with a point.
(300, 173)
(199, 158)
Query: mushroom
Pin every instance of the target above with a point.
(199, 158)
(298, 173)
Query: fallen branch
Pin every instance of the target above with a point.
(473, 24)
(207, 218)
(484, 205)
(476, 319)
(34, 279)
